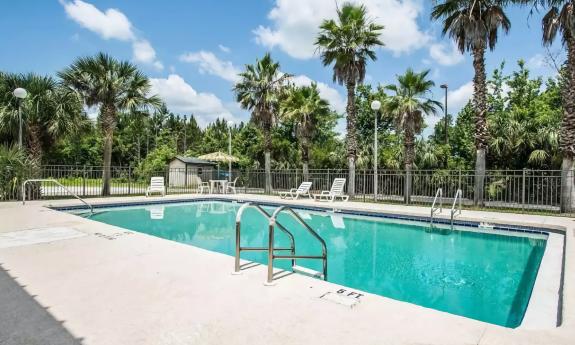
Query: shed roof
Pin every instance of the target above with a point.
(193, 160)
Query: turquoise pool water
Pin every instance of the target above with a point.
(484, 276)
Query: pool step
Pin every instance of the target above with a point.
(307, 271)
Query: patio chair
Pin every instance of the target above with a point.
(156, 186)
(203, 186)
(231, 186)
(293, 193)
(335, 192)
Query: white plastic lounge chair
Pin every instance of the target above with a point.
(203, 186)
(303, 190)
(335, 192)
(231, 186)
(156, 186)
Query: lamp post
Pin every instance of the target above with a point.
(230, 124)
(444, 86)
(375, 105)
(20, 93)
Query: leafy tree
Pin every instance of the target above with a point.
(113, 86)
(14, 169)
(48, 112)
(474, 25)
(348, 44)
(559, 19)
(408, 104)
(155, 162)
(304, 106)
(259, 91)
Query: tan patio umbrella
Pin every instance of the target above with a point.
(219, 156)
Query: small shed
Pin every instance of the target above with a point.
(189, 171)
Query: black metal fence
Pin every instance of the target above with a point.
(517, 190)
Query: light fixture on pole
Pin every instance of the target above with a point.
(375, 105)
(444, 86)
(20, 93)
(230, 124)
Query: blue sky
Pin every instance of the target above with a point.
(192, 50)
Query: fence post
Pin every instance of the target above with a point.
(406, 188)
(363, 191)
(84, 181)
(523, 190)
(459, 180)
(129, 180)
(247, 180)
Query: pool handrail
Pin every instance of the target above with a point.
(239, 248)
(272, 256)
(458, 197)
(438, 194)
(57, 183)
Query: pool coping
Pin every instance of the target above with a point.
(543, 309)
(492, 334)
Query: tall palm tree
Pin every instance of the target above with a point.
(113, 86)
(49, 112)
(560, 18)
(259, 91)
(474, 26)
(348, 43)
(408, 104)
(304, 106)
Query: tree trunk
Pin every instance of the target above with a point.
(351, 137)
(35, 143)
(305, 157)
(481, 134)
(108, 127)
(35, 152)
(267, 128)
(409, 154)
(567, 133)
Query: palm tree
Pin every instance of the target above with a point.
(48, 113)
(304, 107)
(113, 86)
(408, 104)
(259, 91)
(474, 25)
(559, 18)
(348, 43)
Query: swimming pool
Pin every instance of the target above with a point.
(486, 276)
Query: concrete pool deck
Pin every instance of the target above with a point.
(114, 286)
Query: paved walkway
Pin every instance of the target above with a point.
(115, 286)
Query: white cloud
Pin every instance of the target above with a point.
(295, 24)
(209, 63)
(181, 97)
(458, 98)
(335, 99)
(224, 48)
(537, 61)
(145, 53)
(444, 55)
(111, 24)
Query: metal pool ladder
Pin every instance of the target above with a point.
(271, 250)
(438, 195)
(59, 184)
(456, 211)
